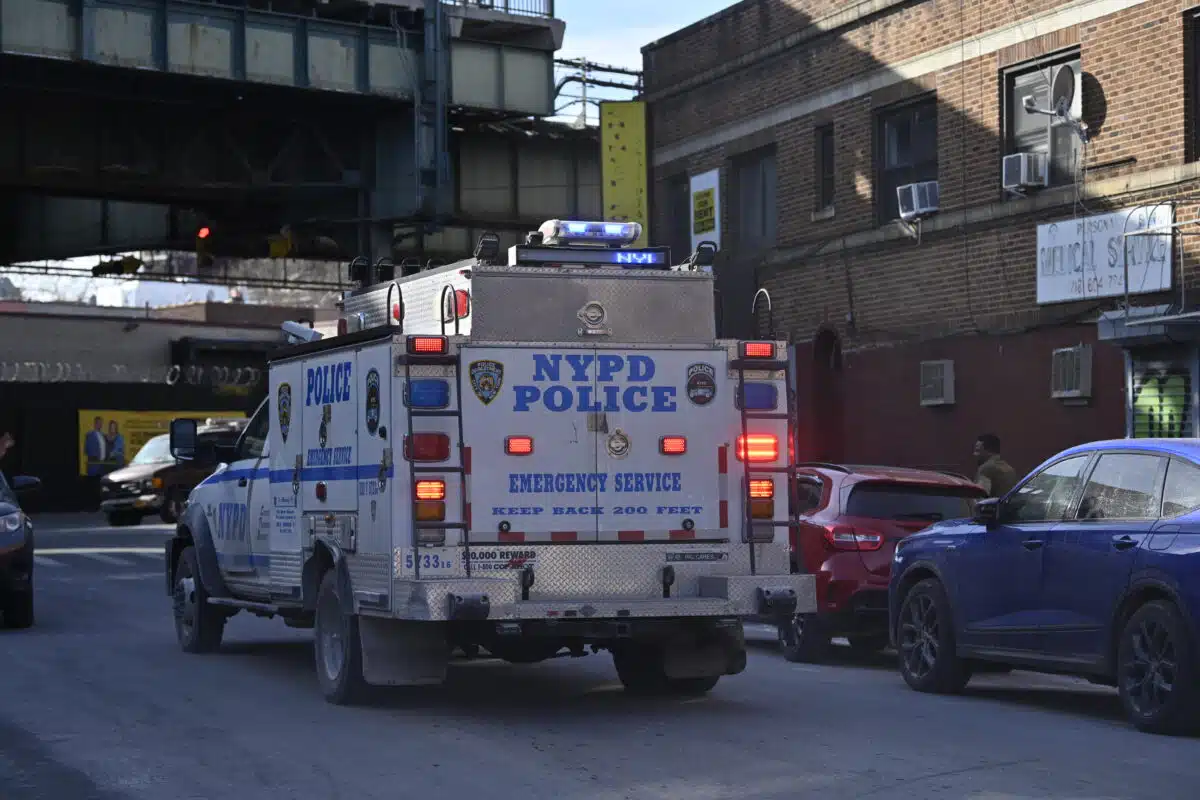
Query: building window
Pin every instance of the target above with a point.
(906, 152)
(679, 217)
(823, 168)
(755, 212)
(1191, 82)
(1032, 132)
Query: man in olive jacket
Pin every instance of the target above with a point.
(995, 475)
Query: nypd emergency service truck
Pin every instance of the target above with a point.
(533, 456)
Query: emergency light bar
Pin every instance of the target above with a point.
(557, 231)
(523, 255)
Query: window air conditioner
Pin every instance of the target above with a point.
(917, 200)
(937, 383)
(1024, 170)
(1071, 372)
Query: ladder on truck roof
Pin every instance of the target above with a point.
(416, 470)
(742, 365)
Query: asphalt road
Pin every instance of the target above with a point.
(98, 703)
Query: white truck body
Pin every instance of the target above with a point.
(594, 537)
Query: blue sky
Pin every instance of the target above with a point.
(614, 31)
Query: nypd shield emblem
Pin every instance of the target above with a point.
(373, 401)
(701, 384)
(283, 409)
(323, 431)
(486, 379)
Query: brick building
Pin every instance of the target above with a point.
(815, 111)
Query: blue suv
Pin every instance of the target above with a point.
(1090, 566)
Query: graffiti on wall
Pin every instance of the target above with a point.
(220, 379)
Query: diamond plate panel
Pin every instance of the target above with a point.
(646, 307)
(370, 572)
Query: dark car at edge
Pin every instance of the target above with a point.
(16, 552)
(1089, 567)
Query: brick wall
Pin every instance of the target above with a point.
(964, 280)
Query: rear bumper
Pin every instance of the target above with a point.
(613, 582)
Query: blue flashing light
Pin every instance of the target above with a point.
(759, 397)
(432, 393)
(567, 232)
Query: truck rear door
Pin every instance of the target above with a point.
(658, 433)
(534, 476)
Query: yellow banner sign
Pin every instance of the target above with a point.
(704, 217)
(623, 164)
(109, 440)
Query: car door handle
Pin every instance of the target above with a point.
(1124, 542)
(1032, 544)
(241, 481)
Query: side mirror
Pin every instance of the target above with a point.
(987, 511)
(24, 484)
(183, 439)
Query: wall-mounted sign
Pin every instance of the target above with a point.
(1081, 258)
(706, 208)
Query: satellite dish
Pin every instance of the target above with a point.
(1062, 90)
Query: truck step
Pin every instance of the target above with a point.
(261, 609)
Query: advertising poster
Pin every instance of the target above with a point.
(706, 208)
(109, 440)
(623, 164)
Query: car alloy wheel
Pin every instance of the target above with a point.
(919, 632)
(1150, 674)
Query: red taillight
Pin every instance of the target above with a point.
(518, 445)
(843, 537)
(321, 491)
(427, 345)
(431, 490)
(762, 489)
(758, 349)
(758, 447)
(672, 445)
(462, 302)
(396, 312)
(427, 447)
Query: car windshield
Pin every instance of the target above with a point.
(7, 495)
(901, 502)
(155, 451)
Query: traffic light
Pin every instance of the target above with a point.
(204, 258)
(126, 265)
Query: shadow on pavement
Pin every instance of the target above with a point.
(538, 692)
(1092, 702)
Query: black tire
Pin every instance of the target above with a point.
(804, 639)
(124, 519)
(18, 610)
(640, 669)
(868, 644)
(925, 641)
(172, 507)
(1157, 671)
(198, 626)
(337, 647)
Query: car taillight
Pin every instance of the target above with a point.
(672, 445)
(758, 447)
(518, 445)
(427, 345)
(844, 537)
(427, 447)
(431, 490)
(758, 349)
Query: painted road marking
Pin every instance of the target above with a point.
(46, 561)
(106, 559)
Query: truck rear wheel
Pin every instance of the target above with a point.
(198, 626)
(338, 648)
(640, 669)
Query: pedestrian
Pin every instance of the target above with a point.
(995, 474)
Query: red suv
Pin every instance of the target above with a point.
(850, 520)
